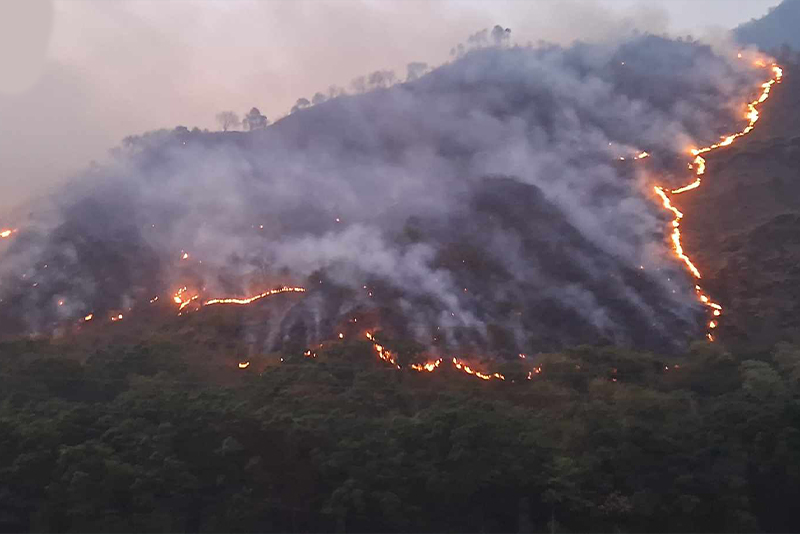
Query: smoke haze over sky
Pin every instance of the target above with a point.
(80, 75)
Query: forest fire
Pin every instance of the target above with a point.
(752, 113)
(536, 370)
(461, 366)
(183, 301)
(700, 169)
(250, 300)
(192, 297)
(383, 354)
(431, 366)
(700, 164)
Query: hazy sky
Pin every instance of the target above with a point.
(77, 76)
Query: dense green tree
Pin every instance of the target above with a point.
(133, 437)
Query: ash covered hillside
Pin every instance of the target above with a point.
(494, 204)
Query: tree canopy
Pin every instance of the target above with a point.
(254, 120)
(131, 437)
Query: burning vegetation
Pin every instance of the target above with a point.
(699, 166)
(477, 300)
(481, 209)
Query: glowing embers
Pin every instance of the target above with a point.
(534, 371)
(640, 155)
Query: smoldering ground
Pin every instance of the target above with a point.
(483, 205)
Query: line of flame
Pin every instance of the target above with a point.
(182, 301)
(388, 356)
(430, 366)
(250, 300)
(700, 169)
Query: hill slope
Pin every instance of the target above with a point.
(741, 225)
(494, 205)
(773, 30)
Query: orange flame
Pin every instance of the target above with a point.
(244, 365)
(536, 370)
(179, 299)
(7, 232)
(383, 354)
(700, 169)
(183, 301)
(250, 300)
(431, 366)
(676, 233)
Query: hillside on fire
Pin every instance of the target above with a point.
(538, 287)
(502, 203)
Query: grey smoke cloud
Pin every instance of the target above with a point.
(484, 198)
(79, 75)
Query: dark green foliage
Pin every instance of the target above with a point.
(602, 440)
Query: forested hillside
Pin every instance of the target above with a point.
(132, 438)
(282, 416)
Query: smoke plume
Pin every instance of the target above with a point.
(493, 203)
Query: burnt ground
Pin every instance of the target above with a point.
(742, 226)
